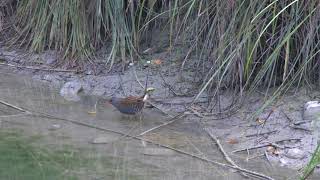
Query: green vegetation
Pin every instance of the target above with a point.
(242, 45)
(314, 161)
(22, 159)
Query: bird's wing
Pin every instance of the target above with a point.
(130, 100)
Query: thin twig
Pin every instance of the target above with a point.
(225, 155)
(287, 116)
(301, 122)
(196, 112)
(254, 147)
(37, 68)
(266, 119)
(262, 133)
(137, 79)
(14, 115)
(160, 109)
(168, 85)
(289, 139)
(14, 107)
(300, 128)
(267, 144)
(195, 147)
(174, 119)
(267, 157)
(255, 174)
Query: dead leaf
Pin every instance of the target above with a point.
(276, 152)
(157, 61)
(273, 150)
(232, 141)
(260, 121)
(270, 149)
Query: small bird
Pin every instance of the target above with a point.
(131, 105)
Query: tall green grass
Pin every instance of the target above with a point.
(241, 45)
(79, 28)
(314, 161)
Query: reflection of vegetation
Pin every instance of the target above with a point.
(314, 161)
(21, 160)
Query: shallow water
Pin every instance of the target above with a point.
(131, 159)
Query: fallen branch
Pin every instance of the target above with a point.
(14, 115)
(252, 173)
(174, 119)
(267, 157)
(300, 128)
(160, 109)
(262, 133)
(266, 119)
(38, 68)
(255, 147)
(225, 155)
(14, 107)
(195, 112)
(301, 122)
(267, 144)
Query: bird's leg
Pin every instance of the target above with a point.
(140, 121)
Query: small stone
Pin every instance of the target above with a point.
(54, 127)
(295, 153)
(70, 90)
(283, 162)
(311, 110)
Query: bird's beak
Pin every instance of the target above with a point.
(145, 98)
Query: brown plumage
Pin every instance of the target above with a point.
(130, 105)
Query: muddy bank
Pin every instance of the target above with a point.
(280, 136)
(95, 79)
